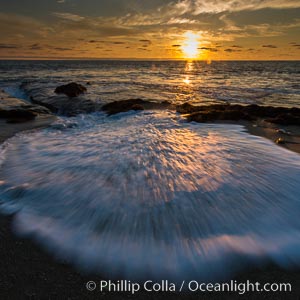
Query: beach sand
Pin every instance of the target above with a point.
(289, 135)
(28, 272)
(8, 130)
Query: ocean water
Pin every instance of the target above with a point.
(265, 83)
(146, 195)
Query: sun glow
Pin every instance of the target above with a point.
(190, 45)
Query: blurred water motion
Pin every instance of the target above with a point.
(147, 195)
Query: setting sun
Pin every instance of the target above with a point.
(190, 45)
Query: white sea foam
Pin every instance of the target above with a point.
(147, 195)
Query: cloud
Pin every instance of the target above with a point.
(209, 49)
(68, 16)
(95, 41)
(232, 50)
(145, 41)
(107, 42)
(238, 29)
(269, 46)
(9, 46)
(18, 25)
(161, 24)
(196, 7)
(143, 49)
(75, 26)
(62, 49)
(175, 20)
(36, 47)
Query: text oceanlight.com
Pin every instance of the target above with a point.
(189, 286)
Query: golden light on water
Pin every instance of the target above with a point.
(186, 80)
(190, 45)
(188, 68)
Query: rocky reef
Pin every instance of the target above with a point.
(227, 112)
(134, 104)
(72, 89)
(71, 100)
(17, 110)
(67, 100)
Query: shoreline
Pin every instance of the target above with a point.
(278, 124)
(30, 272)
(289, 134)
(9, 130)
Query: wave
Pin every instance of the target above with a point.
(146, 195)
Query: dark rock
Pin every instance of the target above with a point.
(63, 105)
(18, 114)
(235, 115)
(215, 115)
(122, 106)
(187, 108)
(17, 110)
(46, 103)
(209, 113)
(72, 89)
(285, 119)
(17, 120)
(133, 104)
(280, 141)
(282, 131)
(137, 107)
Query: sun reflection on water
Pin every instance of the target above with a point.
(187, 80)
(189, 67)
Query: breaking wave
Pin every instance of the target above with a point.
(145, 194)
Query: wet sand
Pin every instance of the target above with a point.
(28, 272)
(289, 135)
(8, 130)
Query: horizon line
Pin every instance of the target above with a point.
(129, 59)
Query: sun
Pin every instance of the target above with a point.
(190, 45)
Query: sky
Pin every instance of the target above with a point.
(149, 29)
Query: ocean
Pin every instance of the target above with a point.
(265, 83)
(146, 194)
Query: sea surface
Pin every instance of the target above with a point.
(146, 195)
(265, 83)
